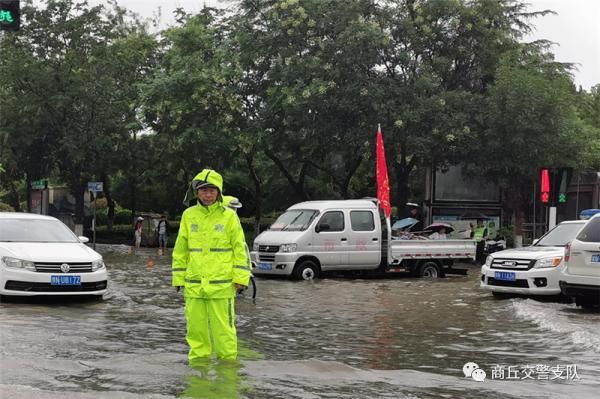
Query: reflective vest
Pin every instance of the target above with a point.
(478, 233)
(209, 256)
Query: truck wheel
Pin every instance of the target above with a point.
(306, 270)
(429, 270)
(586, 303)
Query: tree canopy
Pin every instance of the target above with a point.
(284, 97)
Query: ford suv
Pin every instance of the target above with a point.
(533, 270)
(580, 279)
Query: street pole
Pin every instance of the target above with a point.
(94, 222)
(552, 218)
(534, 219)
(577, 197)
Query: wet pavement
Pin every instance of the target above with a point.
(329, 338)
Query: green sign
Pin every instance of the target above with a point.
(562, 198)
(6, 16)
(39, 184)
(10, 15)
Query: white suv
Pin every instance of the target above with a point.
(533, 270)
(580, 279)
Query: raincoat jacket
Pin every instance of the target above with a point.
(209, 256)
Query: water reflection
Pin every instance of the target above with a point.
(335, 337)
(215, 379)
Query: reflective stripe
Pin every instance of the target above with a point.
(220, 281)
(242, 267)
(221, 249)
(195, 249)
(179, 269)
(230, 315)
(193, 281)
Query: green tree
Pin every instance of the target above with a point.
(438, 63)
(531, 122)
(73, 81)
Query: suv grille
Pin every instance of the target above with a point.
(47, 287)
(268, 248)
(502, 283)
(512, 264)
(54, 267)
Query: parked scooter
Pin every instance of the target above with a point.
(491, 246)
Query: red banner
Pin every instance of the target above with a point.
(383, 184)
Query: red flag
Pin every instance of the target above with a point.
(383, 184)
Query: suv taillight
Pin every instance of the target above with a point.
(567, 252)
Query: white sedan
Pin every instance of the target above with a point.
(40, 255)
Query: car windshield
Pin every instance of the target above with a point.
(560, 235)
(294, 220)
(35, 230)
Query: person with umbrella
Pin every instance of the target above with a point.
(414, 211)
(438, 235)
(440, 231)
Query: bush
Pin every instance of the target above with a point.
(122, 216)
(6, 208)
(120, 234)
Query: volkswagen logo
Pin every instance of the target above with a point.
(65, 268)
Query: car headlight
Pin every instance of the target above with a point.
(288, 248)
(488, 261)
(548, 262)
(255, 246)
(18, 263)
(97, 265)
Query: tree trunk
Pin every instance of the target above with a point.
(28, 188)
(78, 192)
(14, 197)
(402, 193)
(132, 194)
(298, 186)
(345, 185)
(257, 193)
(109, 201)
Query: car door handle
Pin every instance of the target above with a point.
(344, 239)
(374, 239)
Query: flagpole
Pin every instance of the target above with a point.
(383, 190)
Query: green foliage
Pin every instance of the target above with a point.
(6, 208)
(283, 97)
(122, 217)
(507, 232)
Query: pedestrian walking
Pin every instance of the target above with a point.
(163, 231)
(209, 262)
(137, 233)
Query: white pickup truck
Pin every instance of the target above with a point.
(348, 235)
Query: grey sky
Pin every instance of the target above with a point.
(575, 29)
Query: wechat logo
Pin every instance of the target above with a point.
(472, 370)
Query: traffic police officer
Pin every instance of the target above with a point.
(209, 262)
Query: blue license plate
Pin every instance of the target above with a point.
(65, 280)
(505, 276)
(596, 258)
(265, 266)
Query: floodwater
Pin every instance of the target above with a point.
(329, 338)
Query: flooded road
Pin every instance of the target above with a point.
(329, 338)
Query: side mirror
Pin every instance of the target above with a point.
(83, 239)
(322, 227)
